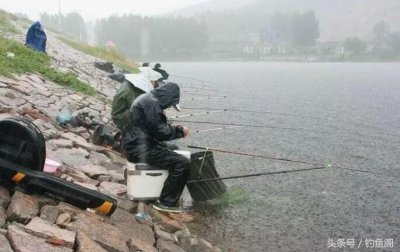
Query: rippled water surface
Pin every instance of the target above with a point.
(346, 114)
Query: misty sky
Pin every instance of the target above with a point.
(92, 9)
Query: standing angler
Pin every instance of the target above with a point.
(144, 141)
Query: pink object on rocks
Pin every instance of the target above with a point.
(51, 166)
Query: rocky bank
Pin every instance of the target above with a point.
(36, 223)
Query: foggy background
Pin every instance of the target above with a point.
(309, 30)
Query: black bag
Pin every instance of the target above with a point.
(203, 167)
(22, 143)
(22, 159)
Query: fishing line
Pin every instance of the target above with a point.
(256, 174)
(235, 124)
(252, 155)
(285, 160)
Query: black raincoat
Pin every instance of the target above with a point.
(145, 136)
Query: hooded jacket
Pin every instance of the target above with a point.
(122, 102)
(36, 38)
(148, 125)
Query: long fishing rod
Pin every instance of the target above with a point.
(285, 160)
(205, 98)
(252, 155)
(196, 114)
(213, 129)
(235, 124)
(195, 79)
(250, 111)
(257, 174)
(204, 95)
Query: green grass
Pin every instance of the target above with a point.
(99, 52)
(29, 61)
(5, 23)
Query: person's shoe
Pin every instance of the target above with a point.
(161, 207)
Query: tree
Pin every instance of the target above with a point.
(280, 28)
(305, 29)
(394, 42)
(380, 33)
(72, 24)
(355, 45)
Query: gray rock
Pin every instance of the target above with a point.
(108, 236)
(4, 244)
(22, 208)
(160, 234)
(61, 143)
(3, 217)
(132, 230)
(49, 213)
(168, 246)
(99, 159)
(102, 178)
(85, 244)
(112, 189)
(93, 170)
(67, 208)
(63, 220)
(171, 226)
(117, 176)
(24, 242)
(80, 142)
(43, 201)
(46, 230)
(4, 197)
(127, 205)
(73, 157)
(138, 245)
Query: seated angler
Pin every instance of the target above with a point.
(144, 141)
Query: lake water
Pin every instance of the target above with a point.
(345, 114)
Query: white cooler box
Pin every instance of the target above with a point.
(145, 182)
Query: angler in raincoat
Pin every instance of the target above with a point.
(164, 73)
(144, 141)
(36, 38)
(127, 93)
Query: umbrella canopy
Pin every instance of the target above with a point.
(150, 73)
(140, 81)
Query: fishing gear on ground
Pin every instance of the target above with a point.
(22, 160)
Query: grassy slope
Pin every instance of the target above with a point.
(99, 52)
(29, 61)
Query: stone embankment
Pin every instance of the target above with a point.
(37, 223)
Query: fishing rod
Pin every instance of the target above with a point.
(195, 79)
(284, 159)
(250, 111)
(195, 114)
(195, 94)
(205, 98)
(257, 174)
(235, 124)
(213, 129)
(252, 155)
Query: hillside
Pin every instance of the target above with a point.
(338, 19)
